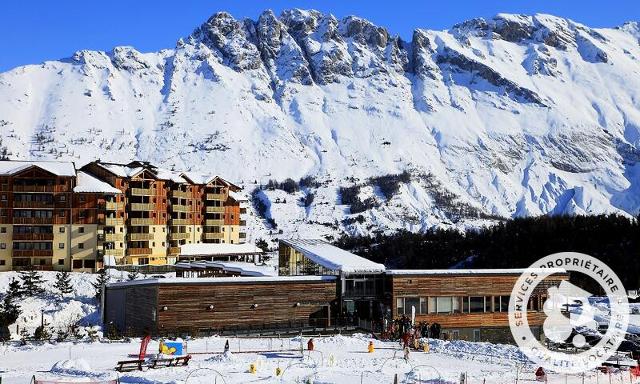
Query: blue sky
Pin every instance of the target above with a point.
(38, 30)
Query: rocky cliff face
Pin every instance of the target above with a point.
(517, 115)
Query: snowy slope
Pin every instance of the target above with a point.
(514, 116)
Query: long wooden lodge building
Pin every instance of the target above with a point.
(319, 287)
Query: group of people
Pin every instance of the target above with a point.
(402, 329)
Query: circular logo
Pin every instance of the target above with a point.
(581, 334)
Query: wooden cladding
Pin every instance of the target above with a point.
(241, 304)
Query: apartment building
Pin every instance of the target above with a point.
(53, 216)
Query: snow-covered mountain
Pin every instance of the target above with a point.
(513, 116)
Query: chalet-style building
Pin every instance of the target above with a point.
(53, 216)
(322, 286)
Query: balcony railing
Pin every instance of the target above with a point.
(243, 235)
(179, 236)
(32, 252)
(34, 204)
(142, 192)
(138, 251)
(32, 236)
(184, 195)
(213, 235)
(180, 222)
(215, 209)
(214, 222)
(33, 220)
(140, 236)
(39, 188)
(180, 208)
(140, 221)
(215, 196)
(142, 207)
(112, 221)
(114, 252)
(112, 206)
(114, 237)
(174, 251)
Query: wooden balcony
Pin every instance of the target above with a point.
(113, 221)
(142, 207)
(114, 206)
(34, 204)
(181, 194)
(40, 188)
(138, 251)
(33, 220)
(215, 209)
(173, 251)
(142, 192)
(32, 252)
(180, 208)
(179, 236)
(215, 196)
(214, 222)
(113, 237)
(33, 236)
(114, 252)
(180, 222)
(140, 221)
(140, 236)
(213, 235)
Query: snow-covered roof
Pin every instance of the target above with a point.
(166, 174)
(332, 257)
(200, 249)
(198, 178)
(434, 272)
(237, 196)
(223, 280)
(244, 269)
(59, 168)
(87, 183)
(121, 170)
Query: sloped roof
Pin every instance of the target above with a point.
(174, 176)
(332, 257)
(121, 170)
(244, 269)
(59, 168)
(87, 183)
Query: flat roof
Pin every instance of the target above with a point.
(332, 257)
(484, 271)
(245, 269)
(212, 249)
(224, 280)
(58, 168)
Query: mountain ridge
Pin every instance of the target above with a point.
(513, 116)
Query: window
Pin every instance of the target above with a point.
(82, 214)
(411, 302)
(153, 244)
(3, 245)
(432, 305)
(61, 245)
(82, 198)
(163, 243)
(2, 262)
(60, 261)
(63, 213)
(476, 304)
(61, 229)
(4, 197)
(77, 264)
(400, 305)
(89, 263)
(80, 245)
(456, 301)
(3, 229)
(423, 305)
(81, 229)
(476, 335)
(444, 304)
(63, 198)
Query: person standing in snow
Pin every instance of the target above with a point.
(226, 347)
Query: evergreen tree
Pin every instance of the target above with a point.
(9, 313)
(63, 283)
(262, 244)
(102, 279)
(133, 275)
(15, 290)
(31, 282)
